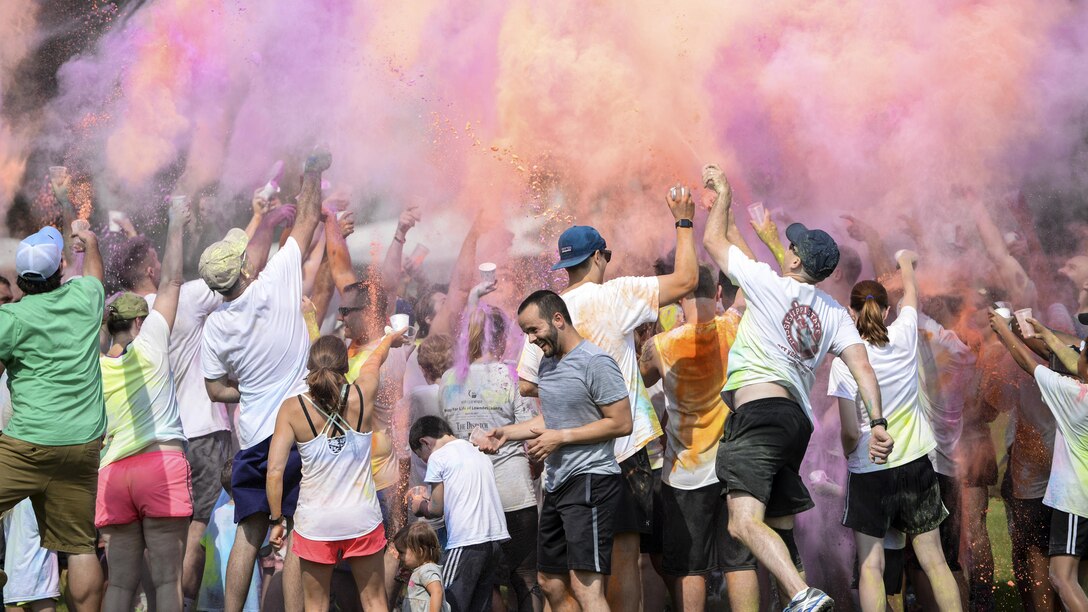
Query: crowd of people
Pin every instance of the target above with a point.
(297, 431)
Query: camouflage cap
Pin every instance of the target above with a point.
(127, 306)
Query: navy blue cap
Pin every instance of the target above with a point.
(817, 249)
(578, 243)
(1083, 318)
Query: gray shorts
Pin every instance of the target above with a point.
(207, 454)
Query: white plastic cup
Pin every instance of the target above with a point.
(487, 272)
(1027, 330)
(1003, 312)
(398, 322)
(756, 211)
(116, 217)
(267, 191)
(178, 200)
(57, 173)
(418, 255)
(477, 436)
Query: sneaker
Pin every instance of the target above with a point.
(811, 600)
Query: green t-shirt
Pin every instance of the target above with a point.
(49, 345)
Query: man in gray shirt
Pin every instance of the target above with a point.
(584, 407)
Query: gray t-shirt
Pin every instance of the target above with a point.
(572, 389)
(488, 398)
(417, 599)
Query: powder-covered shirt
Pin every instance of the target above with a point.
(607, 315)
(572, 391)
(1067, 398)
(260, 340)
(470, 504)
(946, 366)
(786, 331)
(488, 398)
(200, 416)
(896, 367)
(383, 455)
(49, 346)
(694, 358)
(141, 405)
(417, 598)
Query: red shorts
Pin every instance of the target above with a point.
(157, 484)
(329, 552)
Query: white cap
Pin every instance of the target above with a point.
(39, 254)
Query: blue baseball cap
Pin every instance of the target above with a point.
(577, 244)
(39, 254)
(817, 249)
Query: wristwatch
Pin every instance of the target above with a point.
(275, 521)
(685, 223)
(882, 422)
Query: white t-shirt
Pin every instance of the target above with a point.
(1067, 489)
(785, 332)
(896, 367)
(946, 366)
(260, 339)
(607, 315)
(200, 416)
(471, 504)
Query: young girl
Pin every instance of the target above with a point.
(903, 493)
(418, 547)
(338, 516)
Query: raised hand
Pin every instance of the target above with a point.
(905, 257)
(765, 228)
(179, 209)
(346, 222)
(714, 179)
(82, 235)
(680, 203)
(408, 219)
(282, 215)
(260, 204)
(319, 160)
(857, 229)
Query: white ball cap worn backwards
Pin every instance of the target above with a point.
(39, 254)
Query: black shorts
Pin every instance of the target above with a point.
(907, 498)
(699, 541)
(652, 543)
(517, 558)
(247, 481)
(950, 527)
(576, 525)
(636, 506)
(207, 455)
(1068, 534)
(761, 453)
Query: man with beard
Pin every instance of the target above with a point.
(584, 408)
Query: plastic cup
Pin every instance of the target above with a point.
(487, 272)
(477, 436)
(398, 322)
(116, 217)
(1027, 330)
(267, 191)
(418, 255)
(756, 212)
(178, 200)
(1004, 312)
(57, 173)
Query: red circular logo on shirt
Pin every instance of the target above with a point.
(803, 330)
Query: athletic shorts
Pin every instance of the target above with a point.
(156, 484)
(207, 454)
(950, 527)
(906, 498)
(61, 482)
(653, 543)
(635, 509)
(247, 481)
(699, 541)
(576, 525)
(761, 453)
(1068, 534)
(518, 554)
(328, 552)
(468, 576)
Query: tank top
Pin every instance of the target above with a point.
(337, 499)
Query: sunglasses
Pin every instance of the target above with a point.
(607, 255)
(346, 310)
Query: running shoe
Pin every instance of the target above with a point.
(811, 600)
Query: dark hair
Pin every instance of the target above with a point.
(849, 264)
(581, 266)
(33, 287)
(225, 474)
(423, 308)
(729, 290)
(427, 427)
(128, 261)
(120, 325)
(4, 281)
(708, 285)
(486, 333)
(328, 365)
(435, 355)
(420, 538)
(369, 294)
(869, 299)
(548, 302)
(664, 266)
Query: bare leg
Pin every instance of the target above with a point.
(653, 582)
(1063, 575)
(165, 541)
(927, 547)
(369, 575)
(588, 589)
(743, 589)
(392, 565)
(688, 593)
(746, 524)
(292, 579)
(870, 572)
(315, 585)
(1043, 596)
(557, 591)
(192, 568)
(247, 540)
(625, 583)
(980, 557)
(125, 555)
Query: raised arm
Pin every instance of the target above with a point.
(767, 232)
(648, 363)
(169, 290)
(685, 274)
(393, 267)
(86, 242)
(370, 373)
(857, 359)
(464, 275)
(261, 241)
(1061, 349)
(309, 199)
(1013, 276)
(339, 258)
(260, 209)
(1021, 354)
(721, 228)
(906, 260)
(878, 253)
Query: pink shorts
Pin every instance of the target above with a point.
(157, 484)
(328, 553)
